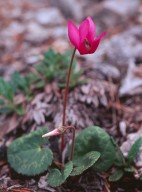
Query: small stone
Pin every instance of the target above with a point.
(88, 99)
(56, 32)
(36, 33)
(60, 45)
(123, 7)
(72, 9)
(32, 59)
(123, 126)
(50, 16)
(108, 70)
(14, 28)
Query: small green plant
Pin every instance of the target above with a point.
(125, 164)
(85, 162)
(29, 154)
(93, 139)
(19, 83)
(57, 177)
(53, 68)
(7, 104)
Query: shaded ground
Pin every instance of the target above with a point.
(111, 98)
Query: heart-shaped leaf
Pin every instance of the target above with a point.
(95, 139)
(28, 156)
(57, 177)
(85, 162)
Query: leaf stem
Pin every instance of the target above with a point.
(65, 99)
(73, 141)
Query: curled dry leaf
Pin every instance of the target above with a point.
(39, 112)
(36, 110)
(9, 125)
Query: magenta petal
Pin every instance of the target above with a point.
(82, 49)
(96, 42)
(83, 30)
(102, 35)
(94, 45)
(92, 30)
(73, 34)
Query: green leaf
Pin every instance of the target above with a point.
(40, 84)
(85, 162)
(18, 82)
(57, 177)
(55, 66)
(95, 139)
(32, 78)
(2, 102)
(129, 169)
(19, 110)
(134, 150)
(119, 157)
(116, 176)
(118, 161)
(28, 155)
(6, 90)
(6, 110)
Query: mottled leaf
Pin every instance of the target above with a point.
(116, 176)
(85, 162)
(57, 177)
(129, 169)
(95, 139)
(28, 155)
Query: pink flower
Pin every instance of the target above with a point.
(84, 38)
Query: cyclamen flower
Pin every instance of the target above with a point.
(84, 38)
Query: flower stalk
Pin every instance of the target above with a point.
(65, 99)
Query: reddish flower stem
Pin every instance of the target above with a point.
(65, 99)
